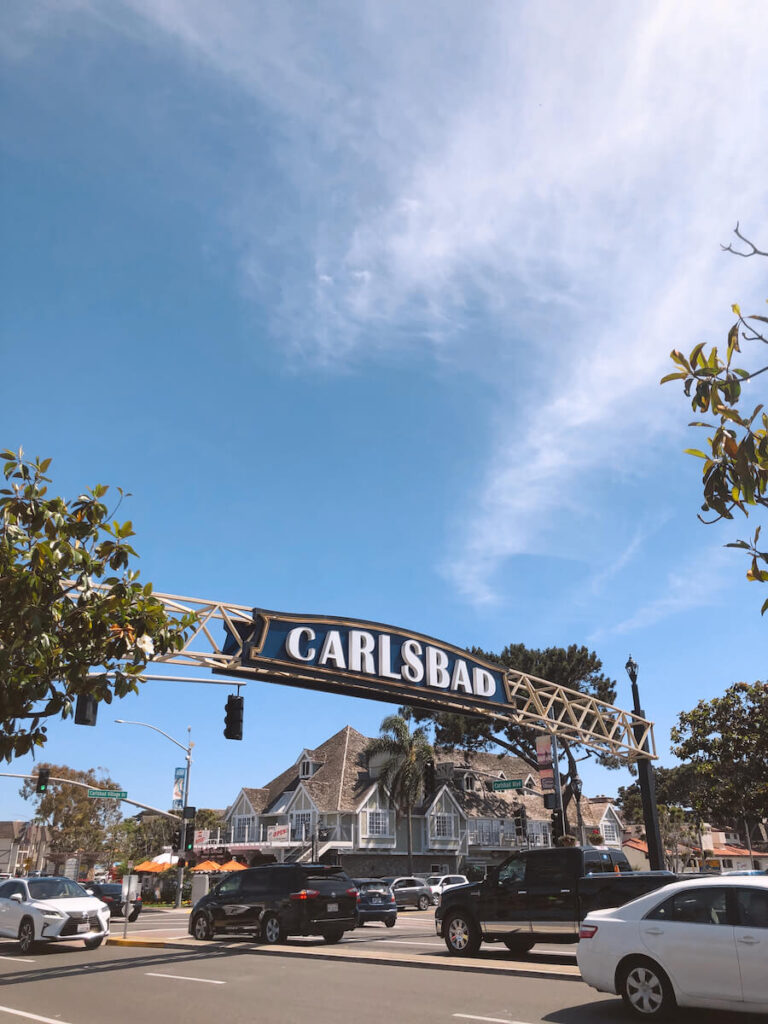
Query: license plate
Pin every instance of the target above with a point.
(333, 908)
(84, 927)
(375, 900)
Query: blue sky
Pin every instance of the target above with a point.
(367, 305)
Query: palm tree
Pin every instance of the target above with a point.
(408, 754)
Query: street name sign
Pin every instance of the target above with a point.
(107, 794)
(500, 784)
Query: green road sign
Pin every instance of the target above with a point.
(508, 784)
(107, 794)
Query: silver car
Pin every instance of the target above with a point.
(410, 892)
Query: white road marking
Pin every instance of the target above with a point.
(18, 959)
(410, 942)
(31, 1016)
(489, 1020)
(183, 977)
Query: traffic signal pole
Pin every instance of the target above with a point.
(185, 824)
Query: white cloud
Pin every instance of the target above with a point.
(679, 593)
(555, 175)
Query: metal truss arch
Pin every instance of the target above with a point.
(219, 643)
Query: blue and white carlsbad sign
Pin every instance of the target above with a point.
(366, 659)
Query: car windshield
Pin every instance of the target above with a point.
(55, 889)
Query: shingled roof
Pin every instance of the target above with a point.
(341, 780)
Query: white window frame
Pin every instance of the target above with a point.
(377, 824)
(444, 826)
(610, 831)
(305, 769)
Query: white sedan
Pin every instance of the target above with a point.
(51, 910)
(699, 942)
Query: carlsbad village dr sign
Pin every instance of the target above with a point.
(365, 659)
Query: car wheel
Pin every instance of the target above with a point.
(26, 936)
(646, 990)
(201, 928)
(335, 936)
(519, 946)
(435, 899)
(271, 930)
(462, 936)
(423, 903)
(94, 943)
(390, 922)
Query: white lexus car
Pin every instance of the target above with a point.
(51, 910)
(700, 942)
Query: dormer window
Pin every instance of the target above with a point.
(469, 782)
(305, 770)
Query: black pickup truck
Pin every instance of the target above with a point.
(539, 895)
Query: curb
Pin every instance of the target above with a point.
(369, 957)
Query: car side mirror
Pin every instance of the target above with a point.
(17, 897)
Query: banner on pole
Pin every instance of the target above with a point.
(544, 760)
(178, 789)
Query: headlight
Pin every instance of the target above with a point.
(55, 914)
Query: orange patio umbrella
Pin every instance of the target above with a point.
(232, 865)
(207, 865)
(149, 865)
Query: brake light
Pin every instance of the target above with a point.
(305, 894)
(392, 899)
(355, 893)
(588, 931)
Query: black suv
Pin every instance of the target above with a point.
(278, 900)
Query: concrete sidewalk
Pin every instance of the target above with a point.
(441, 961)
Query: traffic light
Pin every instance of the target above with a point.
(43, 774)
(86, 710)
(550, 801)
(189, 837)
(233, 718)
(520, 818)
(558, 828)
(176, 839)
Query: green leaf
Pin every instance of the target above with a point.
(696, 452)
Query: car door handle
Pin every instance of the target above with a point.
(522, 892)
(564, 891)
(749, 941)
(653, 931)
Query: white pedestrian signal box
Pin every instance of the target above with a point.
(108, 794)
(500, 784)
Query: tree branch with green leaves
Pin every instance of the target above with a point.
(74, 618)
(735, 470)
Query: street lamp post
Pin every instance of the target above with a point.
(647, 782)
(188, 752)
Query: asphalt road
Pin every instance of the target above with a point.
(120, 985)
